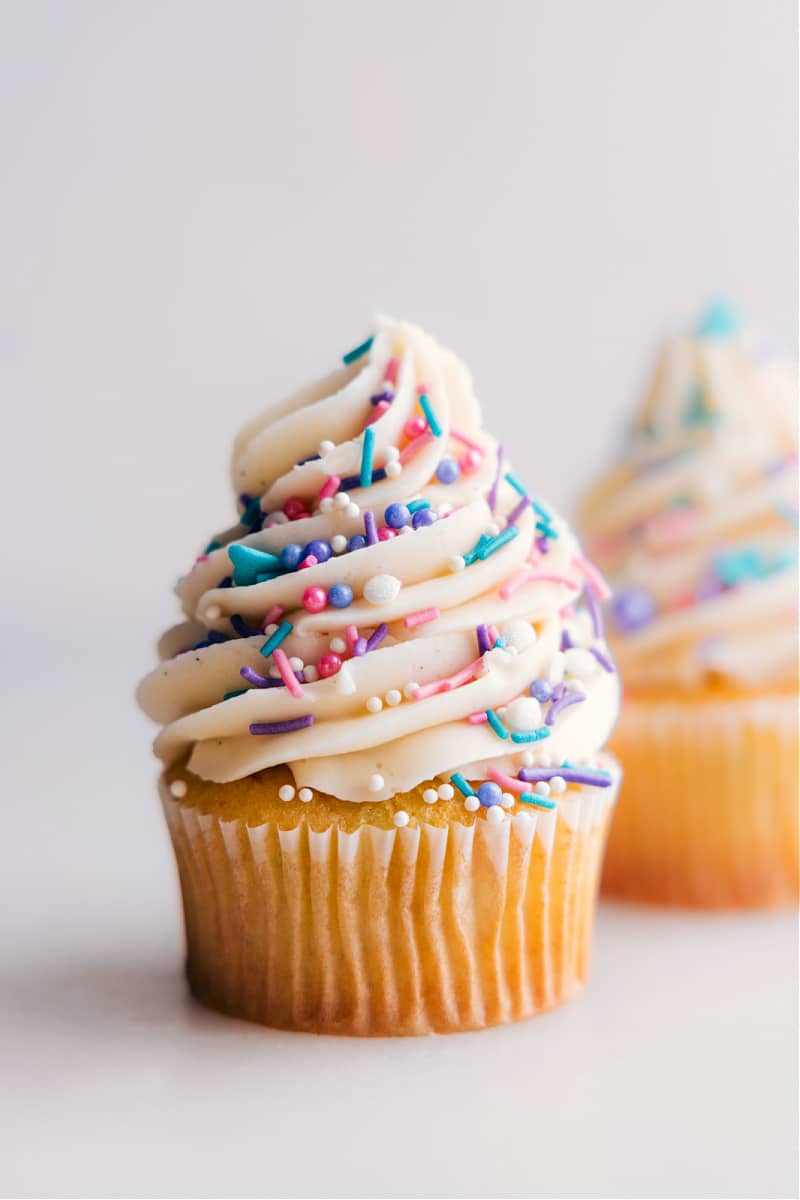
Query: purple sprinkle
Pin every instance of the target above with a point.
(483, 639)
(633, 609)
(370, 529)
(518, 510)
(603, 659)
(261, 727)
(359, 647)
(558, 706)
(242, 628)
(542, 544)
(566, 641)
(378, 636)
(569, 774)
(265, 681)
(492, 497)
(381, 396)
(595, 612)
(354, 481)
(558, 691)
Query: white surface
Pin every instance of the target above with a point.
(200, 206)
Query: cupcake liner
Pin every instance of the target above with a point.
(708, 813)
(423, 929)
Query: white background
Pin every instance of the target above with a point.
(200, 207)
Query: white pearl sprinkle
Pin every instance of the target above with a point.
(341, 500)
(353, 510)
(311, 674)
(305, 795)
(518, 633)
(493, 529)
(286, 792)
(524, 713)
(406, 529)
(374, 704)
(274, 673)
(430, 795)
(544, 759)
(376, 783)
(446, 791)
(507, 800)
(526, 758)
(278, 518)
(325, 447)
(326, 504)
(411, 689)
(400, 819)
(213, 612)
(338, 543)
(542, 788)
(558, 785)
(580, 663)
(394, 697)
(381, 589)
(471, 803)
(338, 645)
(457, 563)
(269, 630)
(178, 788)
(296, 664)
(495, 815)
(391, 453)
(393, 469)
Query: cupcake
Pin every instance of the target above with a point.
(697, 529)
(383, 718)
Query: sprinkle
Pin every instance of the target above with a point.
(212, 546)
(384, 397)
(423, 617)
(382, 589)
(351, 634)
(338, 543)
(482, 634)
(589, 776)
(375, 639)
(477, 718)
(286, 792)
(516, 484)
(457, 563)
(462, 784)
(472, 803)
(360, 647)
(358, 351)
(247, 562)
(241, 627)
(354, 481)
(305, 795)
(593, 578)
(345, 684)
(370, 528)
(274, 615)
(496, 543)
(341, 500)
(234, 693)
(603, 659)
(430, 415)
(376, 783)
(413, 447)
(414, 506)
(466, 441)
(495, 814)
(262, 681)
(330, 487)
(393, 697)
(400, 819)
(338, 645)
(563, 702)
(595, 612)
(178, 788)
(496, 724)
(287, 674)
(449, 682)
(536, 801)
(492, 497)
(381, 406)
(531, 735)
(367, 453)
(393, 468)
(518, 510)
(511, 785)
(280, 635)
(265, 727)
(529, 575)
(391, 371)
(430, 795)
(448, 471)
(558, 785)
(446, 791)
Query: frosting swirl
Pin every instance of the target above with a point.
(696, 526)
(391, 605)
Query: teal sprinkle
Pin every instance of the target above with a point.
(367, 453)
(496, 724)
(280, 635)
(212, 546)
(252, 511)
(542, 512)
(546, 531)
(698, 411)
(719, 320)
(461, 784)
(748, 563)
(496, 543)
(266, 576)
(238, 692)
(531, 735)
(430, 415)
(516, 484)
(538, 801)
(500, 643)
(358, 351)
(248, 563)
(472, 554)
(415, 505)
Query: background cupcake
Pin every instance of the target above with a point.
(383, 717)
(697, 528)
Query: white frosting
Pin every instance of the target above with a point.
(370, 739)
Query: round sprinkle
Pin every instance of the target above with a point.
(286, 792)
(374, 704)
(518, 633)
(526, 758)
(385, 534)
(394, 697)
(471, 461)
(446, 791)
(397, 515)
(580, 663)
(376, 783)
(213, 612)
(448, 471)
(410, 690)
(471, 803)
(338, 645)
(430, 795)
(178, 788)
(423, 517)
(340, 595)
(356, 542)
(305, 795)
(291, 556)
(320, 550)
(277, 518)
(457, 563)
(353, 510)
(558, 785)
(490, 793)
(495, 815)
(315, 599)
(632, 609)
(413, 428)
(507, 800)
(325, 447)
(295, 507)
(341, 500)
(391, 453)
(406, 529)
(338, 543)
(326, 504)
(540, 690)
(523, 714)
(393, 469)
(381, 589)
(296, 664)
(311, 674)
(542, 788)
(329, 664)
(400, 819)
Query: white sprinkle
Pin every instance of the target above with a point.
(471, 803)
(544, 759)
(400, 819)
(457, 563)
(391, 453)
(325, 447)
(526, 758)
(345, 684)
(495, 815)
(507, 800)
(353, 510)
(376, 783)
(524, 713)
(305, 794)
(430, 795)
(341, 500)
(326, 504)
(558, 785)
(274, 673)
(178, 788)
(393, 469)
(580, 663)
(446, 791)
(493, 529)
(394, 697)
(286, 792)
(213, 612)
(381, 589)
(311, 674)
(296, 664)
(269, 630)
(411, 689)
(374, 704)
(278, 518)
(555, 671)
(542, 788)
(338, 645)
(518, 633)
(406, 529)
(338, 543)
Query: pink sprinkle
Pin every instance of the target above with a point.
(201, 558)
(330, 487)
(421, 618)
(391, 371)
(494, 633)
(422, 389)
(351, 636)
(378, 411)
(567, 611)
(450, 682)
(465, 441)
(593, 578)
(478, 718)
(309, 561)
(414, 447)
(505, 781)
(274, 615)
(529, 576)
(286, 673)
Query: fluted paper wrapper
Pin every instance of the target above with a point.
(390, 931)
(708, 813)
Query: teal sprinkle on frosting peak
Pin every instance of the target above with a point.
(430, 415)
(461, 784)
(496, 543)
(496, 724)
(720, 320)
(516, 484)
(698, 411)
(537, 801)
(748, 563)
(415, 505)
(367, 453)
(531, 735)
(248, 563)
(280, 635)
(358, 351)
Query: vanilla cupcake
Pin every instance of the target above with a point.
(697, 529)
(383, 718)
